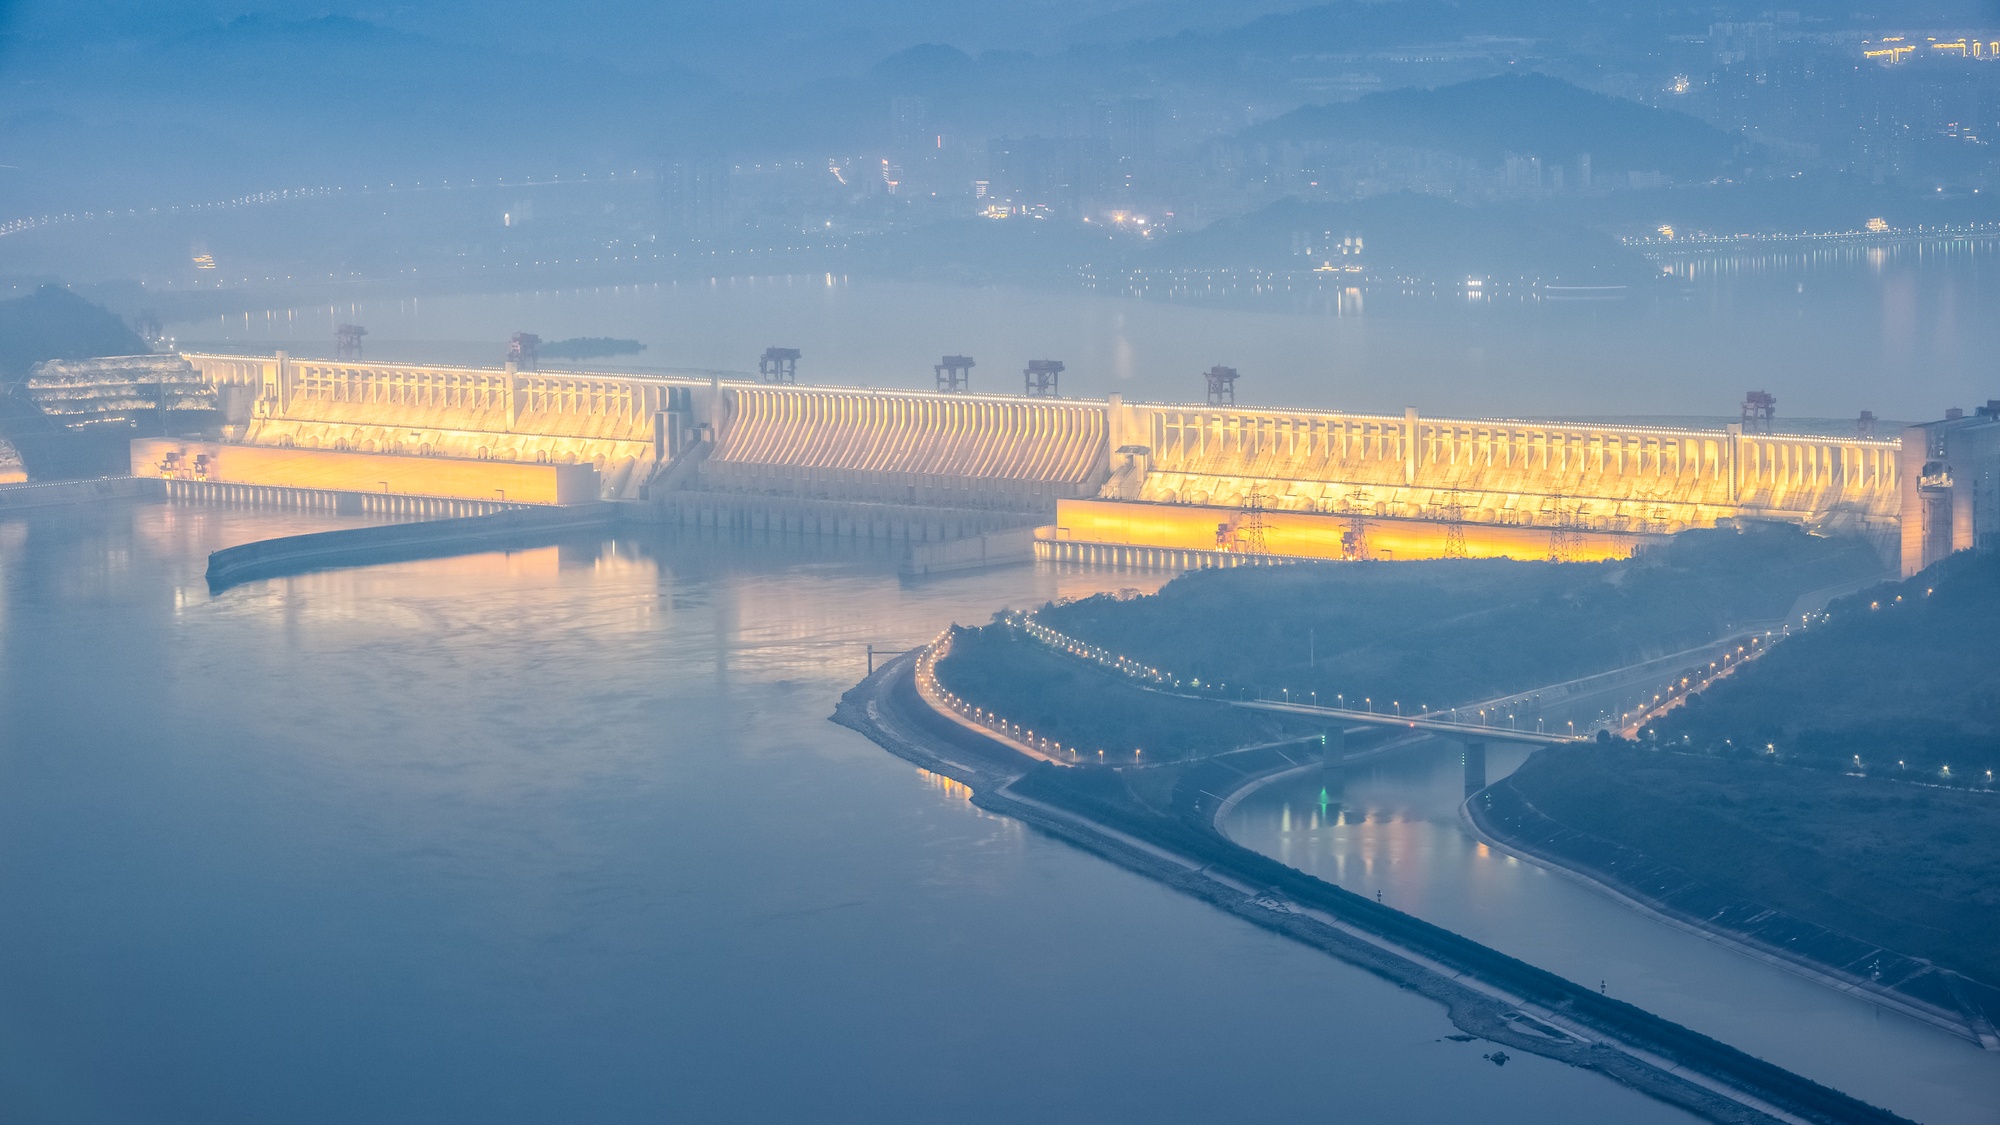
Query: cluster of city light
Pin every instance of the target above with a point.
(937, 695)
(1874, 226)
(1896, 48)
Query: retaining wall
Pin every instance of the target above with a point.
(296, 554)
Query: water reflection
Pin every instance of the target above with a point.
(1898, 330)
(555, 837)
(1392, 830)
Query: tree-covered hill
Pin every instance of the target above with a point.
(1519, 114)
(54, 323)
(1903, 680)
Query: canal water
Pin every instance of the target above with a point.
(564, 835)
(1393, 828)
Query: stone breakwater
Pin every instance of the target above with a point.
(1486, 993)
(397, 542)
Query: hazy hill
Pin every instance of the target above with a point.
(54, 323)
(1904, 673)
(1522, 114)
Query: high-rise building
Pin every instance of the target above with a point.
(910, 123)
(1135, 133)
(1062, 174)
(694, 198)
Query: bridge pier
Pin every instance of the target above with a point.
(1474, 757)
(1333, 760)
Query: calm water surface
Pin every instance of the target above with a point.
(564, 835)
(1394, 828)
(1903, 331)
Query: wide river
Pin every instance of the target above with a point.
(1903, 331)
(564, 835)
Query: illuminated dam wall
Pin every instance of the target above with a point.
(620, 425)
(966, 451)
(877, 446)
(1627, 480)
(1189, 528)
(506, 482)
(1500, 486)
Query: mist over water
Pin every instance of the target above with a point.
(1903, 331)
(565, 835)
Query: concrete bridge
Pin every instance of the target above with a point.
(1468, 732)
(1187, 480)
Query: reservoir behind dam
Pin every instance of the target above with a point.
(564, 834)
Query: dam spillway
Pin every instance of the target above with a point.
(1187, 477)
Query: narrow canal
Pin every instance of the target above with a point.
(1393, 827)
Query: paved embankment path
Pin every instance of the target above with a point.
(1486, 993)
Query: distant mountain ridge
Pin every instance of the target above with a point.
(1488, 119)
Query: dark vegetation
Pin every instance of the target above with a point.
(1912, 868)
(1422, 634)
(591, 347)
(54, 323)
(1449, 632)
(1902, 680)
(1488, 119)
(1082, 705)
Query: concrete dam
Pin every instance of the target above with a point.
(1099, 479)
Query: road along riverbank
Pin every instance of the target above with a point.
(1486, 993)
